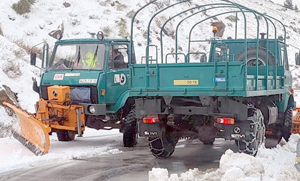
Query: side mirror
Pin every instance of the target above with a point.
(33, 59)
(297, 59)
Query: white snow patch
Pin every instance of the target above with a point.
(269, 165)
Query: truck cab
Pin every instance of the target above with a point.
(96, 71)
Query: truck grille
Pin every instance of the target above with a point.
(78, 94)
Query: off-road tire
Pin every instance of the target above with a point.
(209, 142)
(164, 146)
(130, 130)
(251, 57)
(287, 126)
(257, 133)
(63, 135)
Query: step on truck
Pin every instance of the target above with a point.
(239, 88)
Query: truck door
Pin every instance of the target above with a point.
(118, 72)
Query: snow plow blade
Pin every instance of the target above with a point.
(30, 132)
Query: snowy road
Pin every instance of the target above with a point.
(100, 155)
(124, 164)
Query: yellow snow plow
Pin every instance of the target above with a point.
(53, 115)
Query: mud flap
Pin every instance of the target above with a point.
(30, 132)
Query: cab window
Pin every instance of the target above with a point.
(118, 56)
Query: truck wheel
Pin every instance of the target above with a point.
(287, 127)
(257, 133)
(209, 142)
(63, 135)
(130, 130)
(251, 57)
(164, 146)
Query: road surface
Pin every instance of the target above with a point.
(129, 164)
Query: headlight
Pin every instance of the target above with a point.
(92, 109)
(298, 148)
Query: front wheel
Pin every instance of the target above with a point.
(164, 146)
(63, 135)
(209, 142)
(130, 130)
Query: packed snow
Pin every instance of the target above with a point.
(14, 155)
(269, 165)
(86, 16)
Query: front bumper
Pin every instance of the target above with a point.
(100, 109)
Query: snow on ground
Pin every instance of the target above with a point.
(276, 164)
(86, 16)
(13, 155)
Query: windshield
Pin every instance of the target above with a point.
(79, 56)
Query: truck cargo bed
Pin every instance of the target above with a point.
(210, 79)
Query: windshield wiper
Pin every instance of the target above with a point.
(95, 54)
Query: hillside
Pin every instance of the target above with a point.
(20, 32)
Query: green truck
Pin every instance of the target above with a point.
(241, 89)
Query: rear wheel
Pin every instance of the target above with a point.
(287, 126)
(63, 135)
(257, 133)
(130, 130)
(164, 146)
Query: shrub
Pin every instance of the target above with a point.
(121, 7)
(159, 21)
(130, 14)
(27, 47)
(5, 130)
(12, 69)
(288, 4)
(1, 32)
(93, 16)
(75, 21)
(23, 6)
(66, 4)
(232, 18)
(106, 30)
(122, 28)
(104, 3)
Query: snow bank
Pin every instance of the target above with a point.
(269, 165)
